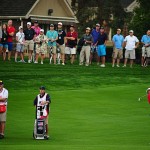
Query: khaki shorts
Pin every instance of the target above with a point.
(130, 54)
(146, 51)
(69, 50)
(29, 45)
(62, 48)
(117, 53)
(3, 116)
(53, 49)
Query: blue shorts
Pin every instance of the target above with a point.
(10, 46)
(101, 50)
(4, 45)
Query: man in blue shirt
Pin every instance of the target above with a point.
(52, 36)
(118, 41)
(146, 46)
(95, 33)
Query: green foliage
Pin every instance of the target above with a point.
(141, 18)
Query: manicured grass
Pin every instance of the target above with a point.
(92, 108)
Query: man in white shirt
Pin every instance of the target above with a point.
(3, 108)
(131, 42)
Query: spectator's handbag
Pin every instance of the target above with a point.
(2, 108)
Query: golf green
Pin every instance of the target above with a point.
(92, 108)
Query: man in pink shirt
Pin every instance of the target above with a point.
(11, 32)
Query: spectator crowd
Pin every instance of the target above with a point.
(59, 45)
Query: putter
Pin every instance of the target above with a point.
(139, 99)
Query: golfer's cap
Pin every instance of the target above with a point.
(88, 28)
(1, 82)
(42, 87)
(102, 28)
(131, 31)
(41, 30)
(51, 25)
(98, 25)
(20, 27)
(35, 21)
(60, 23)
(147, 90)
(118, 29)
(29, 23)
(72, 25)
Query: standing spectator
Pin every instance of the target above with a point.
(131, 43)
(43, 99)
(101, 50)
(41, 46)
(3, 43)
(60, 41)
(118, 40)
(37, 32)
(85, 51)
(3, 108)
(95, 33)
(146, 46)
(71, 44)
(20, 38)
(11, 33)
(29, 40)
(52, 36)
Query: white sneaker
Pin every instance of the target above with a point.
(124, 66)
(118, 66)
(41, 62)
(63, 64)
(29, 61)
(86, 65)
(36, 62)
(102, 65)
(81, 64)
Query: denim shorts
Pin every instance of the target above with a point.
(4, 45)
(101, 50)
(10, 46)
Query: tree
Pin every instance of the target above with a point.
(141, 18)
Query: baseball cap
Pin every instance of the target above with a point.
(131, 31)
(88, 28)
(42, 87)
(118, 29)
(72, 25)
(102, 28)
(1, 82)
(98, 24)
(60, 23)
(41, 30)
(35, 21)
(20, 27)
(29, 23)
(51, 25)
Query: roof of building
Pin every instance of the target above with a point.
(15, 8)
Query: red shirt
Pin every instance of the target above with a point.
(74, 35)
(10, 30)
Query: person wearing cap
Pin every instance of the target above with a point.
(3, 42)
(52, 36)
(95, 33)
(41, 46)
(43, 98)
(60, 42)
(101, 49)
(20, 38)
(11, 32)
(85, 51)
(71, 43)
(131, 42)
(146, 47)
(118, 41)
(3, 112)
(29, 40)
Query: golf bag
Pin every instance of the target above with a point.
(39, 132)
